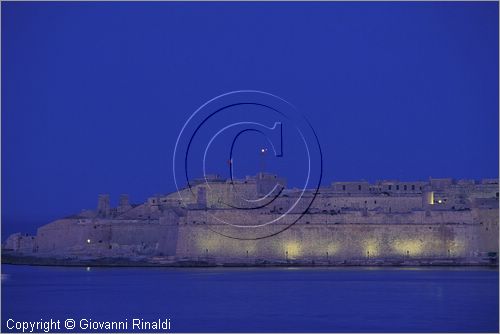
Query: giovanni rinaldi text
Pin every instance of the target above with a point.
(53, 325)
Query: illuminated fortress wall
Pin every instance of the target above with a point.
(350, 236)
(348, 221)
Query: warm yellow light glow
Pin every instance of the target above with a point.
(430, 198)
(371, 247)
(292, 249)
(331, 249)
(409, 247)
(456, 248)
(208, 243)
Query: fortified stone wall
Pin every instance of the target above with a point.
(21, 242)
(106, 237)
(386, 204)
(156, 237)
(350, 217)
(350, 220)
(347, 236)
(66, 234)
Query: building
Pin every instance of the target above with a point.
(258, 220)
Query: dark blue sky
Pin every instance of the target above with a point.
(94, 94)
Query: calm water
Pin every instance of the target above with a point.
(260, 299)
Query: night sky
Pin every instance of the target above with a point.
(95, 94)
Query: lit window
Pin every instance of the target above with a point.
(430, 198)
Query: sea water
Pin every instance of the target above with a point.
(354, 299)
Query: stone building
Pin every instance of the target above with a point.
(259, 220)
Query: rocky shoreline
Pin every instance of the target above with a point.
(21, 259)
